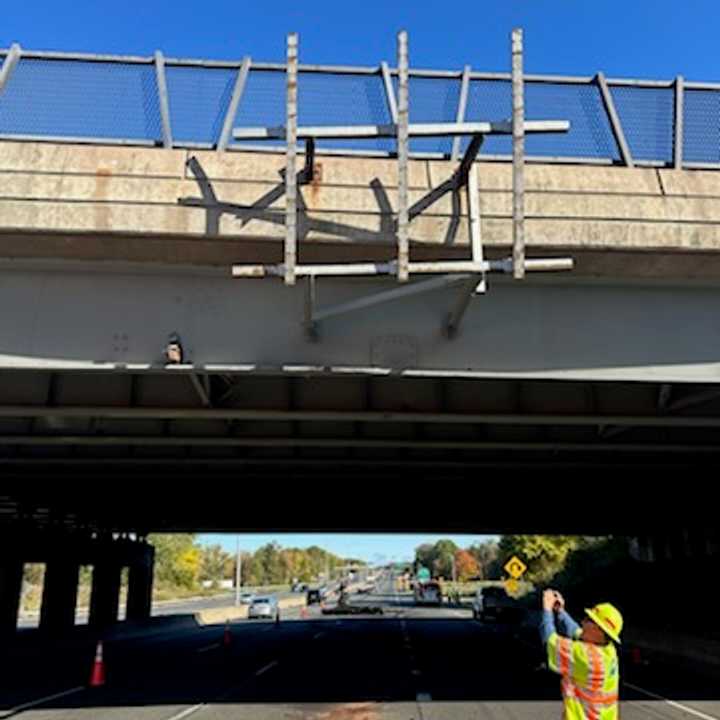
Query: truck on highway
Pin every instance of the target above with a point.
(427, 593)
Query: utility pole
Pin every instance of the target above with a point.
(238, 571)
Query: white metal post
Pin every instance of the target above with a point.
(518, 117)
(290, 161)
(163, 99)
(403, 151)
(238, 571)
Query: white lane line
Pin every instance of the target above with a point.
(188, 711)
(317, 636)
(423, 697)
(676, 705)
(208, 647)
(40, 701)
(263, 670)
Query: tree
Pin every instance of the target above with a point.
(214, 564)
(177, 560)
(424, 556)
(486, 554)
(444, 554)
(466, 565)
(545, 555)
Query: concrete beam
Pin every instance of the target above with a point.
(105, 593)
(11, 574)
(59, 601)
(140, 583)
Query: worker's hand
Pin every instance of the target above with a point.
(549, 600)
(559, 601)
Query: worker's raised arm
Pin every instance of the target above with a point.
(567, 626)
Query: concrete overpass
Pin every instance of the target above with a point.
(602, 379)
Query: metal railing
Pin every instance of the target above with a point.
(194, 104)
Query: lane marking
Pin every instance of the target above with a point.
(318, 635)
(676, 705)
(188, 711)
(263, 670)
(423, 697)
(40, 701)
(208, 647)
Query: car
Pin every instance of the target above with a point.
(494, 603)
(246, 598)
(264, 607)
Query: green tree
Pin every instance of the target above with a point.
(545, 555)
(443, 557)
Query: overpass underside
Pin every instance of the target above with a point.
(181, 450)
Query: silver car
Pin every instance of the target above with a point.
(264, 607)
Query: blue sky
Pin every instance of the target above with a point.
(636, 39)
(375, 548)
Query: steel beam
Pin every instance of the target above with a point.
(365, 416)
(389, 93)
(349, 442)
(679, 122)
(369, 132)
(615, 124)
(462, 106)
(237, 93)
(461, 177)
(11, 60)
(163, 99)
(311, 318)
(389, 268)
(518, 145)
(388, 296)
(290, 160)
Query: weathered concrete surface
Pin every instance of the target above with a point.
(151, 205)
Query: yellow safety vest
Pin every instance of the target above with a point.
(590, 677)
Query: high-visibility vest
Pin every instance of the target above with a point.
(590, 677)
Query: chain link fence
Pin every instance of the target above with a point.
(116, 100)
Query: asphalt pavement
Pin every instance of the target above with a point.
(408, 664)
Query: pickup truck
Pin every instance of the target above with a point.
(493, 603)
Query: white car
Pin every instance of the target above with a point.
(264, 607)
(246, 598)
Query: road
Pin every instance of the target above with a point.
(411, 663)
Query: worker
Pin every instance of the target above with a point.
(584, 656)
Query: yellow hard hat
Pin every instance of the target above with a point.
(608, 618)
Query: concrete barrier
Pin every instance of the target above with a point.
(230, 612)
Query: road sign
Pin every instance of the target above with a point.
(515, 567)
(512, 586)
(423, 573)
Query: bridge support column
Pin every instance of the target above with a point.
(105, 593)
(59, 599)
(11, 574)
(140, 582)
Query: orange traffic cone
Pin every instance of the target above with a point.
(97, 676)
(227, 637)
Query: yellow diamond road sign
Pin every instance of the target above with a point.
(515, 568)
